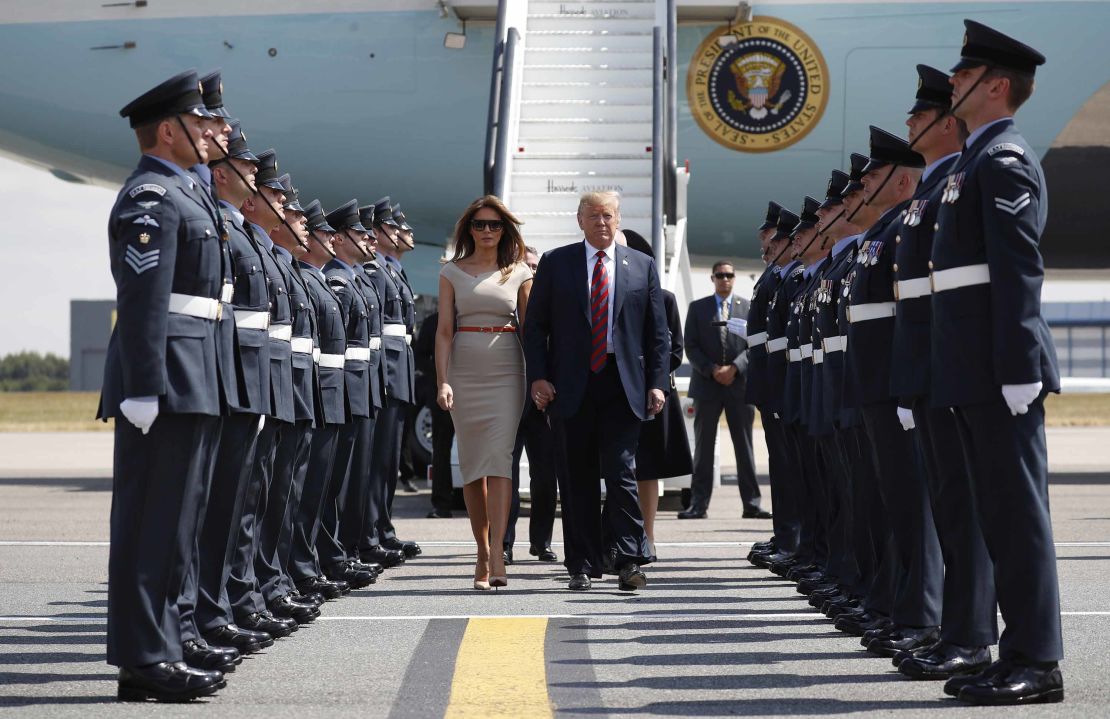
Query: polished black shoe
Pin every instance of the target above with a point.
(388, 558)
(300, 613)
(317, 585)
(835, 608)
(764, 546)
(766, 560)
(407, 549)
(693, 513)
(344, 571)
(438, 514)
(945, 661)
(755, 514)
(796, 571)
(406, 486)
(266, 622)
(904, 639)
(544, 554)
(246, 641)
(857, 624)
(372, 567)
(167, 682)
(631, 578)
(1020, 685)
(314, 599)
(579, 583)
(920, 651)
(507, 556)
(955, 685)
(199, 655)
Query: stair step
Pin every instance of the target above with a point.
(587, 165)
(637, 94)
(586, 56)
(598, 40)
(589, 71)
(586, 111)
(599, 131)
(544, 223)
(579, 182)
(554, 7)
(638, 204)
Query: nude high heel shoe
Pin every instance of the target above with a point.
(481, 585)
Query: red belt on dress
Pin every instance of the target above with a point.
(506, 328)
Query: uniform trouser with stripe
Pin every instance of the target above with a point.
(783, 477)
(345, 472)
(837, 479)
(275, 529)
(968, 617)
(385, 460)
(158, 482)
(234, 464)
(919, 567)
(242, 583)
(1008, 459)
(303, 562)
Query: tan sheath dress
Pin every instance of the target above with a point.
(486, 371)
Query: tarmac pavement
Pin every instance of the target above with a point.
(709, 636)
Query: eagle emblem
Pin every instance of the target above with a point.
(758, 78)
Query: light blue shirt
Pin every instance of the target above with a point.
(235, 214)
(724, 302)
(980, 130)
(284, 253)
(844, 242)
(179, 171)
(809, 271)
(204, 174)
(266, 241)
(934, 164)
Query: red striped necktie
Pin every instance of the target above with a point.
(599, 312)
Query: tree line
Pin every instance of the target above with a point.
(33, 372)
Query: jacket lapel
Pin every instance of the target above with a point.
(621, 269)
(580, 280)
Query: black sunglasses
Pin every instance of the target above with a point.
(491, 225)
(724, 275)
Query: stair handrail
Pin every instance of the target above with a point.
(494, 99)
(670, 140)
(501, 118)
(658, 101)
(505, 115)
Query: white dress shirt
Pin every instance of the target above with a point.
(610, 269)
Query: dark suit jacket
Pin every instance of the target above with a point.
(703, 348)
(558, 336)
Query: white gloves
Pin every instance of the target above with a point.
(1019, 396)
(140, 411)
(737, 326)
(905, 416)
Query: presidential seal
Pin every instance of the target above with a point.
(757, 87)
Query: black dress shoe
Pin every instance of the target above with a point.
(167, 682)
(857, 624)
(544, 554)
(266, 622)
(507, 556)
(756, 514)
(1021, 685)
(693, 513)
(313, 600)
(438, 514)
(372, 567)
(199, 655)
(764, 546)
(388, 558)
(300, 613)
(246, 641)
(955, 685)
(631, 578)
(407, 549)
(945, 661)
(344, 571)
(579, 583)
(904, 639)
(316, 585)
(920, 651)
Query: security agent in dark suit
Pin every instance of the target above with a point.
(598, 378)
(443, 429)
(890, 179)
(720, 363)
(968, 620)
(161, 385)
(993, 359)
(332, 409)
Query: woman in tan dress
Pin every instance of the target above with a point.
(480, 367)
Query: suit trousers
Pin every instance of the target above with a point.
(443, 436)
(1008, 459)
(867, 527)
(234, 463)
(810, 545)
(242, 583)
(158, 483)
(968, 617)
(707, 417)
(353, 436)
(303, 562)
(385, 462)
(919, 583)
(836, 478)
(599, 442)
(401, 411)
(539, 439)
(290, 464)
(783, 476)
(360, 483)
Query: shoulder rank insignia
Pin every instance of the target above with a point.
(1012, 206)
(141, 261)
(914, 213)
(156, 189)
(952, 188)
(1006, 147)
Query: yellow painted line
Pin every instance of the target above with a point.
(499, 670)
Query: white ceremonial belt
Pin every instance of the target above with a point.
(807, 351)
(393, 330)
(247, 320)
(818, 356)
(333, 361)
(777, 344)
(912, 289)
(205, 308)
(870, 311)
(227, 293)
(375, 343)
(834, 344)
(757, 339)
(316, 354)
(361, 354)
(302, 345)
(282, 333)
(957, 277)
(408, 339)
(794, 355)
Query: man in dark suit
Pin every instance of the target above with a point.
(596, 346)
(717, 384)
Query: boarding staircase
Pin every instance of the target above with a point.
(582, 99)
